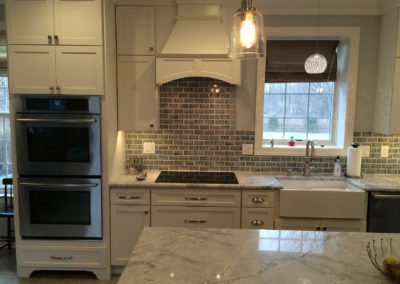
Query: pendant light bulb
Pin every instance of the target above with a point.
(247, 37)
(248, 31)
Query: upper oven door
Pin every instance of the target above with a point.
(58, 144)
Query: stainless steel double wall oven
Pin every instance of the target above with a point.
(59, 167)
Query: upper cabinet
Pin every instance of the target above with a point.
(135, 30)
(67, 70)
(58, 22)
(387, 104)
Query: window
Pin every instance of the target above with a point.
(291, 103)
(5, 143)
(301, 110)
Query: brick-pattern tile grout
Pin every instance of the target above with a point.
(198, 133)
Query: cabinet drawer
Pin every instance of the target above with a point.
(130, 196)
(202, 197)
(258, 198)
(207, 217)
(64, 257)
(258, 218)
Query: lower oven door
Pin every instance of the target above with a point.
(58, 144)
(60, 208)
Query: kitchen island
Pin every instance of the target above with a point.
(182, 255)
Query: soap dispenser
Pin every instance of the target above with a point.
(337, 169)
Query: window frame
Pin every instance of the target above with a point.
(329, 142)
(345, 87)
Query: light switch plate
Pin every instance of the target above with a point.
(365, 151)
(384, 151)
(247, 149)
(149, 148)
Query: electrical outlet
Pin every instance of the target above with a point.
(365, 151)
(149, 148)
(247, 149)
(384, 151)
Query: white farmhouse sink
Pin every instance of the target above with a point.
(321, 199)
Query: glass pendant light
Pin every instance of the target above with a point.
(316, 63)
(247, 37)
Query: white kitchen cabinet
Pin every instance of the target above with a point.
(387, 103)
(332, 225)
(258, 218)
(79, 70)
(127, 223)
(31, 69)
(56, 70)
(130, 213)
(185, 216)
(60, 22)
(137, 93)
(135, 30)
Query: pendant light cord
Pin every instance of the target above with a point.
(316, 42)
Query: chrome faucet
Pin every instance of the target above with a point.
(310, 155)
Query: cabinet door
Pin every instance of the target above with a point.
(78, 22)
(343, 225)
(135, 30)
(298, 224)
(31, 69)
(127, 223)
(395, 104)
(80, 70)
(29, 22)
(258, 218)
(137, 94)
(199, 217)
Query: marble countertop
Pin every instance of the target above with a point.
(378, 182)
(255, 181)
(260, 181)
(182, 255)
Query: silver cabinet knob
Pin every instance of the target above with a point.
(151, 48)
(58, 89)
(56, 39)
(49, 39)
(257, 199)
(51, 89)
(257, 222)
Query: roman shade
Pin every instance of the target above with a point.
(285, 60)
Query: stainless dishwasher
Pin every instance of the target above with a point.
(384, 212)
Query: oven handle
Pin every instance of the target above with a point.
(385, 196)
(58, 184)
(82, 120)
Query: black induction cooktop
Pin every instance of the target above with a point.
(197, 177)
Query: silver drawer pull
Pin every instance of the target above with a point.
(196, 221)
(195, 198)
(257, 222)
(66, 258)
(127, 197)
(257, 199)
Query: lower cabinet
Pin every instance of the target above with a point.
(258, 218)
(130, 213)
(332, 225)
(208, 217)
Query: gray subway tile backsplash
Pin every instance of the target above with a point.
(198, 133)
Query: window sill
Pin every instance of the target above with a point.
(285, 150)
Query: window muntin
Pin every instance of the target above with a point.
(303, 110)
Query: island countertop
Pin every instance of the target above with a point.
(182, 255)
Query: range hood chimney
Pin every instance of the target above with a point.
(197, 46)
(198, 30)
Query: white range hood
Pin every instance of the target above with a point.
(197, 46)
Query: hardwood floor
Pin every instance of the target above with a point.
(8, 274)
